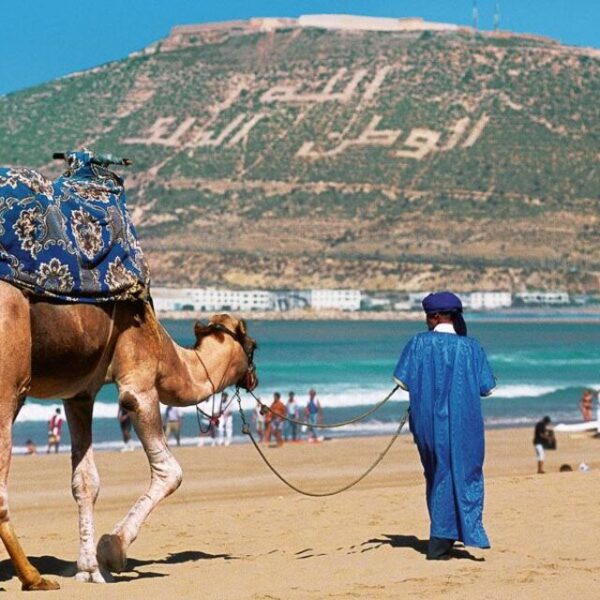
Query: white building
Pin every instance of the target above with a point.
(543, 298)
(284, 300)
(211, 299)
(489, 300)
(338, 299)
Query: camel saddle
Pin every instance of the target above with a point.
(72, 239)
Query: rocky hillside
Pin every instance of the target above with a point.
(284, 153)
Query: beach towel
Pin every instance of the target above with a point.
(72, 239)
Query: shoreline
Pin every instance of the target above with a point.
(240, 440)
(517, 315)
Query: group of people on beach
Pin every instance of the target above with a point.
(279, 422)
(543, 435)
(274, 424)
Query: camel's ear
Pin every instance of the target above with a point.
(242, 327)
(200, 330)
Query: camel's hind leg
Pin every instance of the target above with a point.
(15, 374)
(85, 484)
(165, 477)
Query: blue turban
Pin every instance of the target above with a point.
(446, 302)
(442, 302)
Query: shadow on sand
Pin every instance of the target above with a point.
(419, 545)
(51, 565)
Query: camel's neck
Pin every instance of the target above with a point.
(188, 376)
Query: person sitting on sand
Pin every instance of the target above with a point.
(30, 447)
(586, 405)
(542, 438)
(446, 373)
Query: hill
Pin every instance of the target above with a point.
(300, 153)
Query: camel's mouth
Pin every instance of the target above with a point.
(249, 380)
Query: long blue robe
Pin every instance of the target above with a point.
(445, 376)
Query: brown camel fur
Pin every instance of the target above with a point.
(52, 350)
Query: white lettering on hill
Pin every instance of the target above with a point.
(215, 130)
(291, 93)
(418, 144)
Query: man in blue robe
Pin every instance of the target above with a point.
(446, 373)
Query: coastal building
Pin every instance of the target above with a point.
(201, 299)
(543, 298)
(487, 300)
(376, 302)
(336, 299)
(290, 299)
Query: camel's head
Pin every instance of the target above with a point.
(225, 324)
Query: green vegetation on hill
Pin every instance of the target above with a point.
(370, 159)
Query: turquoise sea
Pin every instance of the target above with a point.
(541, 368)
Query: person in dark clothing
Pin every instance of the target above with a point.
(543, 438)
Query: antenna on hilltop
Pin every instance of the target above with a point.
(475, 15)
(497, 17)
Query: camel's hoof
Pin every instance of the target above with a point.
(95, 576)
(110, 553)
(41, 585)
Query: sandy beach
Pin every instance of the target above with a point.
(233, 531)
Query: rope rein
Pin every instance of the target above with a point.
(265, 408)
(213, 420)
(247, 431)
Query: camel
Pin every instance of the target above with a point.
(57, 350)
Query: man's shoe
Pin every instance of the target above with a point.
(440, 557)
(439, 548)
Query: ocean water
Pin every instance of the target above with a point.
(541, 368)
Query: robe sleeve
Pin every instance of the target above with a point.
(487, 381)
(405, 369)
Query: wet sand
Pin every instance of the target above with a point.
(233, 531)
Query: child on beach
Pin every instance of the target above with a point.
(542, 438)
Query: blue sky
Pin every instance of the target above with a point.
(42, 40)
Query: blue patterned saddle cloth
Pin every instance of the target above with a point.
(71, 239)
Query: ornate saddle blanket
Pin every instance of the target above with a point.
(71, 239)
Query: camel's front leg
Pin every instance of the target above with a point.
(15, 374)
(165, 477)
(85, 484)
